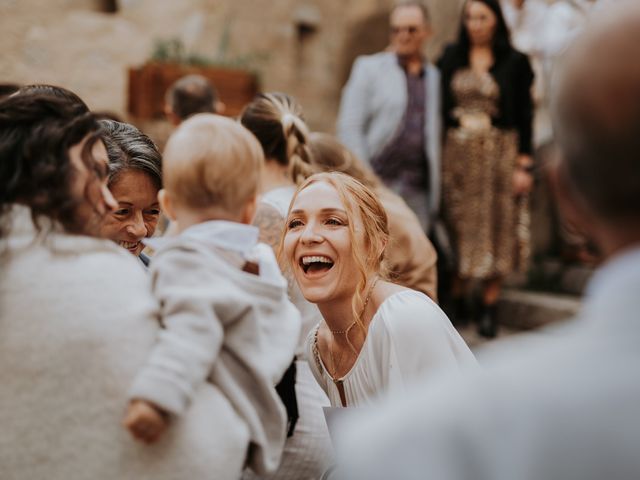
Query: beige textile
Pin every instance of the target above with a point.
(489, 226)
(410, 256)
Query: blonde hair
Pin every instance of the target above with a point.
(277, 122)
(367, 248)
(212, 162)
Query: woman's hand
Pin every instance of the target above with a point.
(522, 177)
(145, 421)
(475, 121)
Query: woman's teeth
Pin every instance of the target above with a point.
(316, 263)
(128, 245)
(315, 259)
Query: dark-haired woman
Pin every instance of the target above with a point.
(487, 160)
(54, 91)
(135, 178)
(78, 319)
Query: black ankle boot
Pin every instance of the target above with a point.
(461, 312)
(487, 321)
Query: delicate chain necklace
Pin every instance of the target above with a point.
(341, 332)
(335, 364)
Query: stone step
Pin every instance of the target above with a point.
(556, 276)
(527, 310)
(475, 341)
(522, 310)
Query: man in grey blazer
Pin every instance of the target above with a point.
(390, 113)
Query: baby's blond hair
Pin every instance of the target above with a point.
(212, 163)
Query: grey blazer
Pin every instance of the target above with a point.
(373, 103)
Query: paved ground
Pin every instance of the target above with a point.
(474, 340)
(521, 310)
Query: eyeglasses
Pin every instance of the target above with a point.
(412, 30)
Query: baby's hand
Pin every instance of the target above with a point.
(145, 421)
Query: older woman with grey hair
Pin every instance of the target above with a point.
(135, 178)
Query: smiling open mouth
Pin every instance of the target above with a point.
(129, 245)
(316, 264)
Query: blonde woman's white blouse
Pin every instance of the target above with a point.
(409, 337)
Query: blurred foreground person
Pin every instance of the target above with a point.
(568, 408)
(78, 319)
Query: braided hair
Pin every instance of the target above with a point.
(277, 122)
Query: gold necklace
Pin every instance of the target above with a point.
(341, 332)
(335, 364)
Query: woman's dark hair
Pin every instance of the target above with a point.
(36, 132)
(54, 91)
(7, 89)
(130, 149)
(501, 41)
(277, 122)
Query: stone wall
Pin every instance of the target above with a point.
(307, 46)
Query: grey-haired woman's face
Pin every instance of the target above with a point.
(137, 213)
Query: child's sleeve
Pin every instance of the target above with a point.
(189, 344)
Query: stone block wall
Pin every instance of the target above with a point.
(306, 46)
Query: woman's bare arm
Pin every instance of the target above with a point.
(270, 223)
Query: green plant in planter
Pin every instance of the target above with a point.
(172, 50)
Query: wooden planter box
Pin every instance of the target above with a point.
(148, 84)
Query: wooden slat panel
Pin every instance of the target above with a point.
(148, 84)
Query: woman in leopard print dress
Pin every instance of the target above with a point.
(486, 159)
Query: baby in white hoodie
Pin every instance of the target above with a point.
(223, 301)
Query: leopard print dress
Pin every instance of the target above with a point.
(489, 226)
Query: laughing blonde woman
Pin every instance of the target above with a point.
(376, 336)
